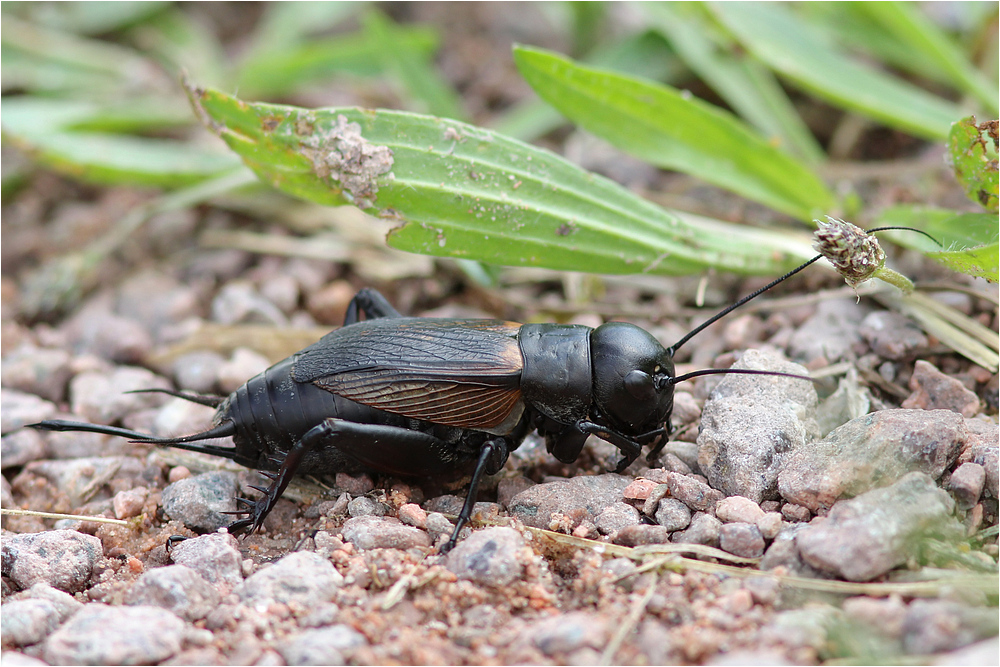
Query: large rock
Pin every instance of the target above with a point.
(750, 423)
(865, 537)
(871, 451)
(585, 495)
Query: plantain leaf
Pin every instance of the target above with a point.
(462, 191)
(673, 130)
(793, 48)
(969, 241)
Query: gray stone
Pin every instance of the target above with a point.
(95, 330)
(238, 302)
(638, 534)
(87, 478)
(738, 509)
(784, 552)
(102, 398)
(673, 515)
(932, 626)
(874, 450)
(590, 494)
(304, 578)
(865, 537)
(741, 539)
(215, 557)
(63, 559)
(43, 372)
(26, 622)
(376, 532)
(365, 506)
(18, 408)
(322, 646)
(694, 493)
(933, 390)
(985, 438)
(198, 371)
(199, 502)
(240, 367)
(508, 487)
(687, 452)
(156, 299)
(491, 557)
(66, 605)
(893, 336)
(704, 529)
(102, 635)
(752, 422)
(15, 659)
(615, 517)
(22, 446)
(438, 525)
(177, 588)
(770, 524)
(569, 632)
(832, 332)
(850, 401)
(966, 484)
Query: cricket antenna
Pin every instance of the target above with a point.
(728, 309)
(715, 318)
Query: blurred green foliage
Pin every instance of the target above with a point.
(91, 90)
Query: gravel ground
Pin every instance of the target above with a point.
(784, 524)
(565, 564)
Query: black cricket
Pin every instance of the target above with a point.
(433, 398)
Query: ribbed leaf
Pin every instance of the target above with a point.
(463, 191)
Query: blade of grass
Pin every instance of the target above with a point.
(84, 18)
(463, 191)
(796, 50)
(356, 54)
(112, 158)
(908, 24)
(670, 129)
(416, 74)
(119, 63)
(743, 82)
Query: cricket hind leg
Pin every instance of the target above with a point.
(380, 447)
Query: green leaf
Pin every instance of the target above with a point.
(43, 128)
(969, 242)
(746, 85)
(462, 191)
(355, 54)
(674, 130)
(974, 163)
(795, 49)
(644, 54)
(86, 18)
(417, 74)
(907, 24)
